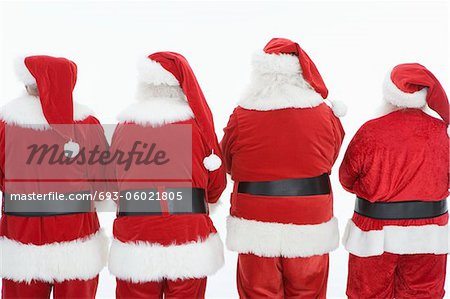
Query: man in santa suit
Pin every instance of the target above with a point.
(167, 247)
(49, 247)
(397, 166)
(279, 147)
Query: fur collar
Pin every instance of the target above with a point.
(273, 91)
(26, 112)
(157, 105)
(157, 112)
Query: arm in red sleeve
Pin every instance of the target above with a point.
(229, 140)
(217, 179)
(111, 170)
(339, 134)
(351, 167)
(96, 138)
(2, 156)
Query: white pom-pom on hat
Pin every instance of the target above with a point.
(339, 108)
(71, 149)
(212, 162)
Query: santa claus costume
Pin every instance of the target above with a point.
(398, 167)
(47, 251)
(279, 147)
(160, 248)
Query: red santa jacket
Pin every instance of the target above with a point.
(153, 247)
(402, 156)
(281, 130)
(50, 248)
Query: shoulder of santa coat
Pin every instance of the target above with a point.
(232, 121)
(89, 120)
(26, 112)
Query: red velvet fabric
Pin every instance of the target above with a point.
(56, 79)
(85, 289)
(282, 278)
(401, 156)
(174, 289)
(46, 230)
(309, 70)
(167, 229)
(281, 144)
(391, 276)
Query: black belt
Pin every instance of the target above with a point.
(148, 201)
(67, 205)
(290, 187)
(400, 210)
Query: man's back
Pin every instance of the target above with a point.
(408, 148)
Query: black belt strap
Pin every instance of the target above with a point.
(290, 187)
(143, 202)
(400, 210)
(67, 205)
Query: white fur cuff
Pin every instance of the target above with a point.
(396, 239)
(79, 259)
(143, 262)
(270, 239)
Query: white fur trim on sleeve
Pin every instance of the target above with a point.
(270, 239)
(22, 72)
(432, 239)
(143, 261)
(152, 72)
(264, 63)
(392, 94)
(79, 259)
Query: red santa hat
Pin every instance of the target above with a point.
(55, 79)
(284, 56)
(168, 68)
(412, 85)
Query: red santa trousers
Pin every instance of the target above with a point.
(397, 276)
(41, 290)
(175, 289)
(283, 278)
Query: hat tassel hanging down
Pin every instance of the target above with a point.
(411, 85)
(339, 108)
(71, 149)
(55, 79)
(212, 162)
(173, 69)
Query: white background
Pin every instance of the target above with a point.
(352, 43)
